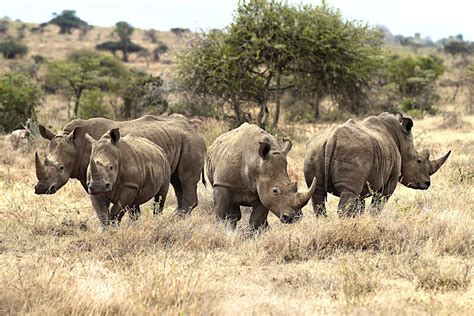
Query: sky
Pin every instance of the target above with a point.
(434, 18)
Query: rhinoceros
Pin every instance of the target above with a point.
(354, 160)
(248, 167)
(128, 171)
(69, 154)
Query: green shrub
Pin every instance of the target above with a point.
(194, 107)
(10, 49)
(93, 105)
(415, 78)
(19, 96)
(301, 113)
(142, 93)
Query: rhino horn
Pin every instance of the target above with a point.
(437, 163)
(303, 197)
(40, 172)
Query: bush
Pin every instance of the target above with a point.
(142, 93)
(195, 106)
(19, 96)
(68, 21)
(10, 49)
(92, 105)
(415, 79)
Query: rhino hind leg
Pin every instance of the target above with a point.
(190, 198)
(160, 199)
(178, 190)
(350, 204)
(134, 212)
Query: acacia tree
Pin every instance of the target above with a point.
(277, 47)
(68, 21)
(123, 31)
(82, 71)
(214, 67)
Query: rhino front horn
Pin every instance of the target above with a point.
(303, 198)
(40, 172)
(437, 163)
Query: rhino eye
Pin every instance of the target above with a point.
(111, 167)
(418, 160)
(61, 168)
(276, 190)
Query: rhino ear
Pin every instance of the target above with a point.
(287, 144)
(75, 134)
(425, 153)
(399, 116)
(264, 149)
(407, 124)
(46, 133)
(114, 135)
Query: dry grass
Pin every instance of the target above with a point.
(416, 256)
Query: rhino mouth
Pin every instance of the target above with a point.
(45, 189)
(291, 218)
(99, 188)
(419, 186)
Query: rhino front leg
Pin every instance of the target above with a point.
(134, 213)
(380, 199)
(258, 218)
(101, 204)
(125, 202)
(224, 211)
(190, 198)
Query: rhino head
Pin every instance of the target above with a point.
(416, 167)
(275, 190)
(102, 172)
(60, 162)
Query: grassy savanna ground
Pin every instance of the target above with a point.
(415, 257)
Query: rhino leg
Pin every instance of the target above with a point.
(258, 218)
(101, 204)
(349, 204)
(222, 205)
(190, 198)
(319, 202)
(124, 203)
(134, 213)
(160, 199)
(178, 190)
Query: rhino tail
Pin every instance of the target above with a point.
(328, 152)
(203, 177)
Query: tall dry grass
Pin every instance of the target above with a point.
(415, 257)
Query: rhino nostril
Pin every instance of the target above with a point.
(285, 219)
(107, 185)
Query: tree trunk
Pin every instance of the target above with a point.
(237, 111)
(262, 114)
(276, 116)
(125, 56)
(76, 103)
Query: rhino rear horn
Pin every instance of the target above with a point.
(437, 163)
(40, 172)
(303, 198)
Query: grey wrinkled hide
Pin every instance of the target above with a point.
(356, 160)
(69, 153)
(248, 167)
(128, 171)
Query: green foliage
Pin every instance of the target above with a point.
(4, 24)
(142, 93)
(415, 78)
(194, 106)
(83, 70)
(124, 31)
(459, 48)
(10, 49)
(272, 47)
(68, 21)
(19, 96)
(93, 105)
